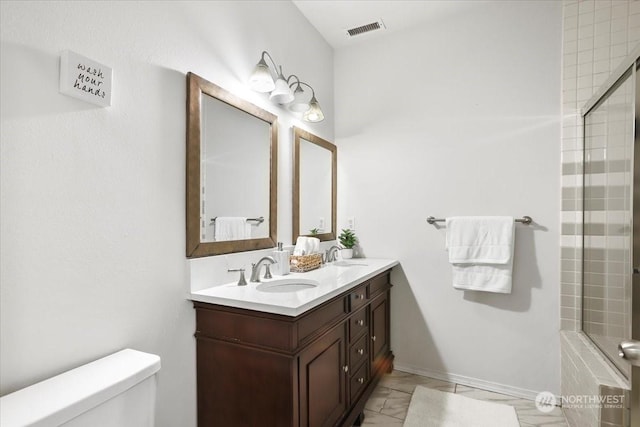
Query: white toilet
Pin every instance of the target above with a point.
(116, 391)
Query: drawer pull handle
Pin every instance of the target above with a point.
(360, 322)
(345, 368)
(361, 380)
(361, 351)
(373, 338)
(359, 296)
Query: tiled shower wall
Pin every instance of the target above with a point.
(597, 36)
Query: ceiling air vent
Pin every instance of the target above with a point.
(367, 28)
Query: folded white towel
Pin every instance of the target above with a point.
(313, 243)
(232, 228)
(301, 246)
(481, 252)
(306, 246)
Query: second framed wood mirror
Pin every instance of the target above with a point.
(314, 186)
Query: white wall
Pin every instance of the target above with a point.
(93, 228)
(461, 117)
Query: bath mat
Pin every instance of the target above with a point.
(434, 408)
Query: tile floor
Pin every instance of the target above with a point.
(389, 402)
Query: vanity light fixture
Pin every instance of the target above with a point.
(285, 90)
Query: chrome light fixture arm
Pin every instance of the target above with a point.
(262, 80)
(275, 66)
(299, 82)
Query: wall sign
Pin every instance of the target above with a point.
(85, 79)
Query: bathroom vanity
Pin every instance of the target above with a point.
(299, 358)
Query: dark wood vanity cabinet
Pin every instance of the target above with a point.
(314, 370)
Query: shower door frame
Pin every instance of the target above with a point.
(630, 64)
(634, 379)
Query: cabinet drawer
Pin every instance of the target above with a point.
(358, 352)
(358, 324)
(323, 316)
(358, 381)
(243, 328)
(379, 284)
(358, 298)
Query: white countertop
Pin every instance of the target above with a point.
(331, 279)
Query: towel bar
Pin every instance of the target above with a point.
(259, 220)
(526, 220)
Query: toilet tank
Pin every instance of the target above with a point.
(118, 390)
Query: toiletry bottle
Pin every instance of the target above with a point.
(282, 259)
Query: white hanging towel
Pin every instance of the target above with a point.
(232, 228)
(481, 252)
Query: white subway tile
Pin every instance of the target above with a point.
(584, 82)
(634, 37)
(585, 56)
(585, 69)
(601, 53)
(619, 24)
(570, 10)
(619, 9)
(569, 46)
(619, 37)
(570, 34)
(603, 14)
(569, 71)
(570, 22)
(568, 241)
(586, 6)
(618, 52)
(602, 28)
(599, 79)
(603, 66)
(585, 43)
(602, 4)
(570, 58)
(602, 40)
(584, 94)
(585, 30)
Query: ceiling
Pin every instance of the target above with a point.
(333, 17)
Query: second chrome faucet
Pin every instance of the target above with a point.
(255, 268)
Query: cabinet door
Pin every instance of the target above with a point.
(379, 330)
(322, 372)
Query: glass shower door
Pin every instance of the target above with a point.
(611, 233)
(608, 215)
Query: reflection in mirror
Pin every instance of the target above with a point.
(231, 172)
(314, 187)
(233, 200)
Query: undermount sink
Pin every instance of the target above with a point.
(349, 264)
(287, 285)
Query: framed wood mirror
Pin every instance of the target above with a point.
(232, 157)
(314, 186)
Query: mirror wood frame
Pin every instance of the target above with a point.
(196, 87)
(299, 134)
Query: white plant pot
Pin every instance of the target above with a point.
(347, 253)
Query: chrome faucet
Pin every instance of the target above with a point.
(332, 253)
(255, 269)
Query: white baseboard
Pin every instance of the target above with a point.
(471, 382)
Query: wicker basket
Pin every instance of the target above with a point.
(304, 263)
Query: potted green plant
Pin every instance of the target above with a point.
(314, 231)
(348, 240)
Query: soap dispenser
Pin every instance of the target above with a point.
(282, 260)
